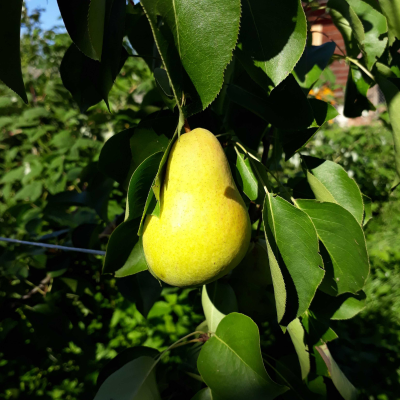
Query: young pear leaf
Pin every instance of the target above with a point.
(344, 241)
(391, 10)
(230, 362)
(330, 182)
(10, 66)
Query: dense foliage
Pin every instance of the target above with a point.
(62, 320)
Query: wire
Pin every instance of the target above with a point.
(54, 246)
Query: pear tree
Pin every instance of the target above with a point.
(208, 205)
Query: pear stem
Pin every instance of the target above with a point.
(187, 127)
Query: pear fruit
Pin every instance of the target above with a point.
(204, 229)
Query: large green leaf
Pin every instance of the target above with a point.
(195, 71)
(344, 241)
(294, 242)
(87, 79)
(123, 358)
(204, 394)
(10, 66)
(218, 300)
(273, 35)
(286, 99)
(391, 9)
(297, 335)
(375, 26)
(136, 380)
(96, 19)
(330, 182)
(231, 365)
(293, 141)
(343, 385)
(311, 64)
(392, 96)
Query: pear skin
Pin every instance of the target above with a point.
(204, 229)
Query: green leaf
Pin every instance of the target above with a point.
(141, 289)
(117, 147)
(136, 380)
(160, 75)
(96, 15)
(392, 97)
(330, 182)
(311, 64)
(344, 240)
(297, 335)
(87, 80)
(135, 262)
(375, 26)
(367, 209)
(123, 358)
(294, 141)
(10, 67)
(194, 71)
(140, 185)
(204, 394)
(30, 192)
(391, 10)
(286, 99)
(356, 100)
(349, 25)
(231, 365)
(345, 306)
(218, 300)
(120, 246)
(250, 183)
(294, 242)
(273, 35)
(342, 384)
(76, 19)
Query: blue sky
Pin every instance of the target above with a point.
(51, 13)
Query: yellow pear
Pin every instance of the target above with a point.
(204, 229)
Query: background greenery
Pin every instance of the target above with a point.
(55, 337)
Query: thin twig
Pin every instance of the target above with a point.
(324, 34)
(359, 65)
(38, 288)
(54, 246)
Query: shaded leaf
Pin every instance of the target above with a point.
(218, 300)
(311, 64)
(123, 358)
(135, 262)
(367, 209)
(141, 289)
(10, 67)
(230, 362)
(95, 20)
(273, 35)
(293, 141)
(330, 182)
(297, 335)
(86, 79)
(294, 242)
(204, 394)
(286, 99)
(135, 380)
(342, 384)
(344, 241)
(160, 75)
